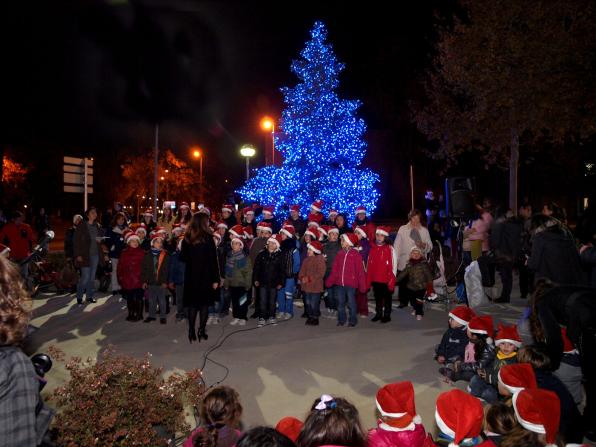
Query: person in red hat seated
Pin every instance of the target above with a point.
(455, 339)
(347, 274)
(538, 414)
(507, 342)
(480, 352)
(290, 427)
(399, 425)
(381, 269)
(332, 422)
(459, 417)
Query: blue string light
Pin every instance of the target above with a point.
(321, 140)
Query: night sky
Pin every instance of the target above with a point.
(91, 77)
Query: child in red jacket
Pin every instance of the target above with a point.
(380, 273)
(347, 274)
(129, 276)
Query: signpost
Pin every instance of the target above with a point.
(78, 176)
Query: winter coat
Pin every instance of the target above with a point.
(257, 246)
(330, 251)
(152, 274)
(506, 239)
(418, 274)
(201, 272)
(492, 376)
(299, 226)
(381, 266)
(146, 244)
(240, 275)
(404, 243)
(129, 268)
(387, 436)
(483, 361)
(115, 242)
(82, 242)
(481, 227)
(453, 344)
(19, 238)
(291, 258)
(555, 257)
(347, 271)
(312, 273)
(177, 267)
(268, 270)
(588, 257)
(371, 228)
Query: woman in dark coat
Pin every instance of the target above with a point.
(201, 275)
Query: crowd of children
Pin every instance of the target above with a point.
(527, 416)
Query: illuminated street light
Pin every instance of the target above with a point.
(248, 151)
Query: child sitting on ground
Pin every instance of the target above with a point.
(311, 276)
(480, 331)
(484, 385)
(499, 422)
(455, 339)
(418, 274)
(332, 421)
(515, 377)
(399, 425)
(221, 412)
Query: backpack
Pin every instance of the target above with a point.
(288, 263)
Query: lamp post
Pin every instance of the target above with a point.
(267, 124)
(247, 151)
(198, 155)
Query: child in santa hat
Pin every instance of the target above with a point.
(291, 265)
(312, 272)
(269, 217)
(176, 273)
(316, 212)
(154, 276)
(418, 274)
(238, 280)
(459, 417)
(290, 427)
(347, 274)
(399, 424)
(227, 215)
(330, 250)
(479, 353)
(515, 377)
(364, 248)
(297, 221)
(248, 218)
(145, 243)
(269, 276)
(381, 269)
(484, 384)
(538, 414)
(331, 217)
(129, 276)
(184, 215)
(264, 232)
(455, 339)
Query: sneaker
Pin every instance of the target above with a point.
(308, 322)
(234, 322)
(92, 300)
(279, 315)
(272, 321)
(433, 296)
(241, 322)
(148, 320)
(261, 322)
(363, 316)
(216, 320)
(419, 317)
(287, 316)
(315, 322)
(210, 320)
(413, 313)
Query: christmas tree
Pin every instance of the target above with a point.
(321, 140)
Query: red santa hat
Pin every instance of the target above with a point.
(141, 229)
(295, 208)
(217, 236)
(333, 212)
(333, 230)
(288, 230)
(314, 219)
(324, 230)
(538, 411)
(415, 248)
(237, 231)
(360, 210)
(459, 416)
(177, 230)
(265, 226)
(568, 347)
(517, 376)
(222, 224)
(361, 230)
(268, 211)
(184, 205)
(396, 401)
(317, 205)
(248, 234)
(508, 334)
(148, 212)
(351, 239)
(227, 207)
(235, 238)
(483, 325)
(462, 314)
(161, 230)
(384, 231)
(155, 236)
(275, 240)
(313, 233)
(130, 236)
(204, 210)
(290, 427)
(248, 210)
(316, 247)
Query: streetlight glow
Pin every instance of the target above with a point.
(247, 151)
(266, 123)
(196, 153)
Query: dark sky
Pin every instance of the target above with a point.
(93, 76)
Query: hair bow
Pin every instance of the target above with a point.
(326, 402)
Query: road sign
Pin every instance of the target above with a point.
(77, 169)
(78, 179)
(78, 176)
(79, 189)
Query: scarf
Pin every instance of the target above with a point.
(233, 257)
(502, 356)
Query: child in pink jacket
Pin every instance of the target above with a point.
(347, 274)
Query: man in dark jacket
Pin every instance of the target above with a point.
(505, 241)
(588, 257)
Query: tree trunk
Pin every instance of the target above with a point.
(513, 168)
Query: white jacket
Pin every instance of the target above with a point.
(404, 243)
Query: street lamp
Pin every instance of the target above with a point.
(268, 125)
(247, 151)
(198, 155)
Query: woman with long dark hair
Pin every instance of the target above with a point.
(201, 275)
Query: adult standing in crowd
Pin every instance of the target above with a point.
(184, 215)
(411, 235)
(297, 221)
(526, 276)
(201, 275)
(476, 233)
(166, 220)
(87, 239)
(69, 237)
(18, 236)
(505, 240)
(148, 221)
(116, 244)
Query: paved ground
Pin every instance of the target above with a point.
(278, 370)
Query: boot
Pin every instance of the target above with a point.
(139, 302)
(377, 317)
(130, 306)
